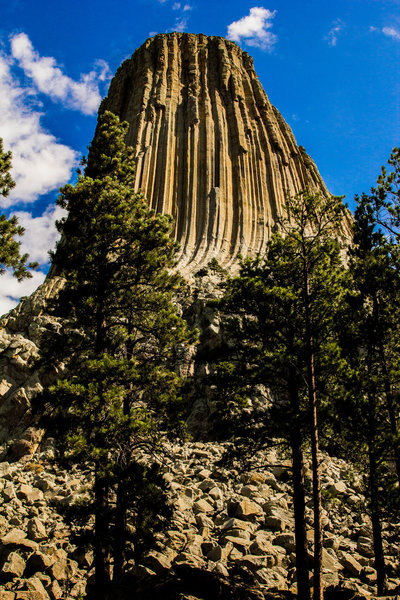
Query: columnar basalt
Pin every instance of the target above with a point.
(210, 148)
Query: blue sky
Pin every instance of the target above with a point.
(331, 69)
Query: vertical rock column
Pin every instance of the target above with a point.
(210, 148)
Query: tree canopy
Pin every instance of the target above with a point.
(10, 254)
(120, 390)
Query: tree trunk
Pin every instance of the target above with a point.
(374, 489)
(312, 398)
(376, 524)
(121, 502)
(119, 534)
(390, 403)
(303, 583)
(101, 555)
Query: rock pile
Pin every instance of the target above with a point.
(225, 521)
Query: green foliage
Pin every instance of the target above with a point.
(267, 301)
(367, 412)
(6, 181)
(120, 390)
(283, 309)
(10, 256)
(382, 205)
(370, 337)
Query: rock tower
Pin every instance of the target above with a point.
(210, 148)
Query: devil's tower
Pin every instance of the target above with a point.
(210, 148)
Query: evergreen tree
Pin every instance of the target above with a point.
(120, 389)
(285, 304)
(384, 199)
(10, 256)
(370, 339)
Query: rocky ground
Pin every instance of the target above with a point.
(229, 524)
(226, 522)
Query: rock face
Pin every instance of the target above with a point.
(210, 148)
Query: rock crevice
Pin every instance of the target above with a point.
(210, 148)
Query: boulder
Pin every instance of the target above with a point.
(365, 546)
(157, 562)
(14, 566)
(29, 494)
(350, 564)
(59, 569)
(202, 506)
(245, 509)
(219, 553)
(6, 595)
(254, 563)
(36, 530)
(35, 585)
(286, 540)
(38, 561)
(337, 488)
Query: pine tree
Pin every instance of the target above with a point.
(10, 256)
(285, 302)
(120, 388)
(377, 265)
(370, 339)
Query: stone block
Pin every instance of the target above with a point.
(14, 566)
(36, 530)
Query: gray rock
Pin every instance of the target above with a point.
(27, 493)
(9, 492)
(219, 553)
(34, 584)
(337, 488)
(184, 558)
(272, 579)
(261, 546)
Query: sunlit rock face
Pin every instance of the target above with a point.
(210, 148)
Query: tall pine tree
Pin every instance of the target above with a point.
(285, 305)
(120, 388)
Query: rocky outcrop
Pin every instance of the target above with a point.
(229, 524)
(21, 337)
(210, 148)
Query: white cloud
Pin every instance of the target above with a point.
(40, 236)
(83, 95)
(187, 7)
(391, 32)
(180, 24)
(40, 233)
(333, 33)
(40, 162)
(254, 29)
(176, 6)
(11, 290)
